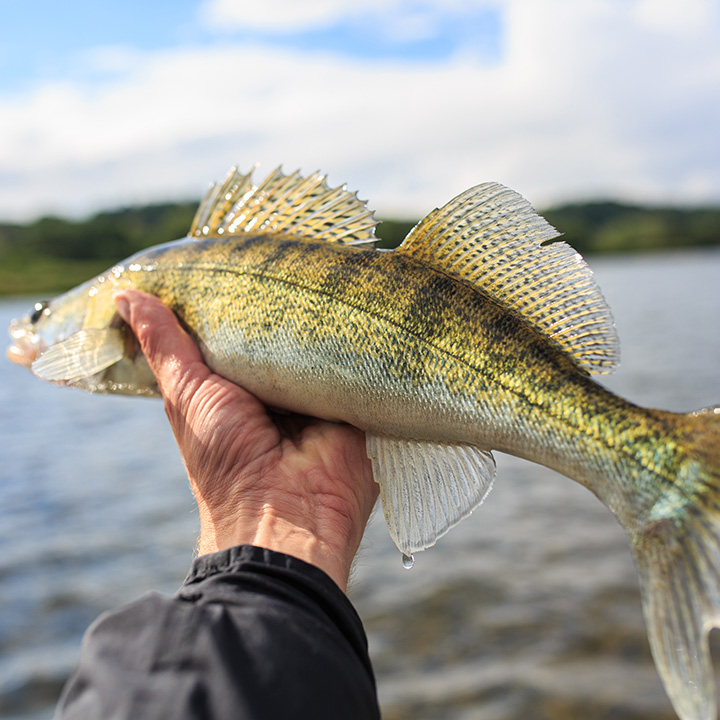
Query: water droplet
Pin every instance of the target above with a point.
(408, 561)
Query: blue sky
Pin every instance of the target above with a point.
(409, 102)
(45, 40)
(60, 35)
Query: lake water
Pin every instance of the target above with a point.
(528, 609)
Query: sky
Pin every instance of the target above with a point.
(110, 104)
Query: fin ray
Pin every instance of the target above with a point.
(293, 204)
(678, 560)
(82, 355)
(491, 237)
(427, 488)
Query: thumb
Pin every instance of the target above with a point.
(169, 350)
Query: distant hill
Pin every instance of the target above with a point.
(614, 227)
(602, 227)
(53, 254)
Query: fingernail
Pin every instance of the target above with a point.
(123, 307)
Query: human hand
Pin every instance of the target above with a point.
(288, 483)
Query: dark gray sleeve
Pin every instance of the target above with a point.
(251, 634)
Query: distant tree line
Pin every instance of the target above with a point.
(54, 253)
(602, 227)
(611, 227)
(108, 236)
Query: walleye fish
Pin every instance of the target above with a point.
(477, 334)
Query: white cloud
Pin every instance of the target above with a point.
(286, 15)
(599, 97)
(678, 19)
(274, 14)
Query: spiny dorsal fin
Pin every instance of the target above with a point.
(303, 206)
(491, 236)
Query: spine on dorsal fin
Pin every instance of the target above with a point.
(491, 237)
(291, 204)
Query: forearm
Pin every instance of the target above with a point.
(251, 634)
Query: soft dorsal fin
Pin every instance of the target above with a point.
(303, 206)
(491, 237)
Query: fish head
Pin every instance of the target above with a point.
(79, 340)
(47, 323)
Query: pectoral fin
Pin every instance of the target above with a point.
(427, 488)
(82, 355)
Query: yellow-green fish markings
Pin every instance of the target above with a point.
(479, 333)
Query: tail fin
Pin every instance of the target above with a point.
(678, 561)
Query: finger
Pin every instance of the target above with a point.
(169, 350)
(176, 361)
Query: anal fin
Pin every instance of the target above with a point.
(427, 488)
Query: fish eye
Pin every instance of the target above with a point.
(38, 309)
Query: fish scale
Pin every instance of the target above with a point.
(478, 334)
(502, 385)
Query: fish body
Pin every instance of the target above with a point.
(373, 339)
(475, 335)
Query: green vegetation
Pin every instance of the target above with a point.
(613, 227)
(51, 255)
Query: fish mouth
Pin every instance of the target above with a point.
(24, 349)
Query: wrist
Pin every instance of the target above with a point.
(329, 546)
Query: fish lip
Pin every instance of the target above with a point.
(18, 355)
(24, 349)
